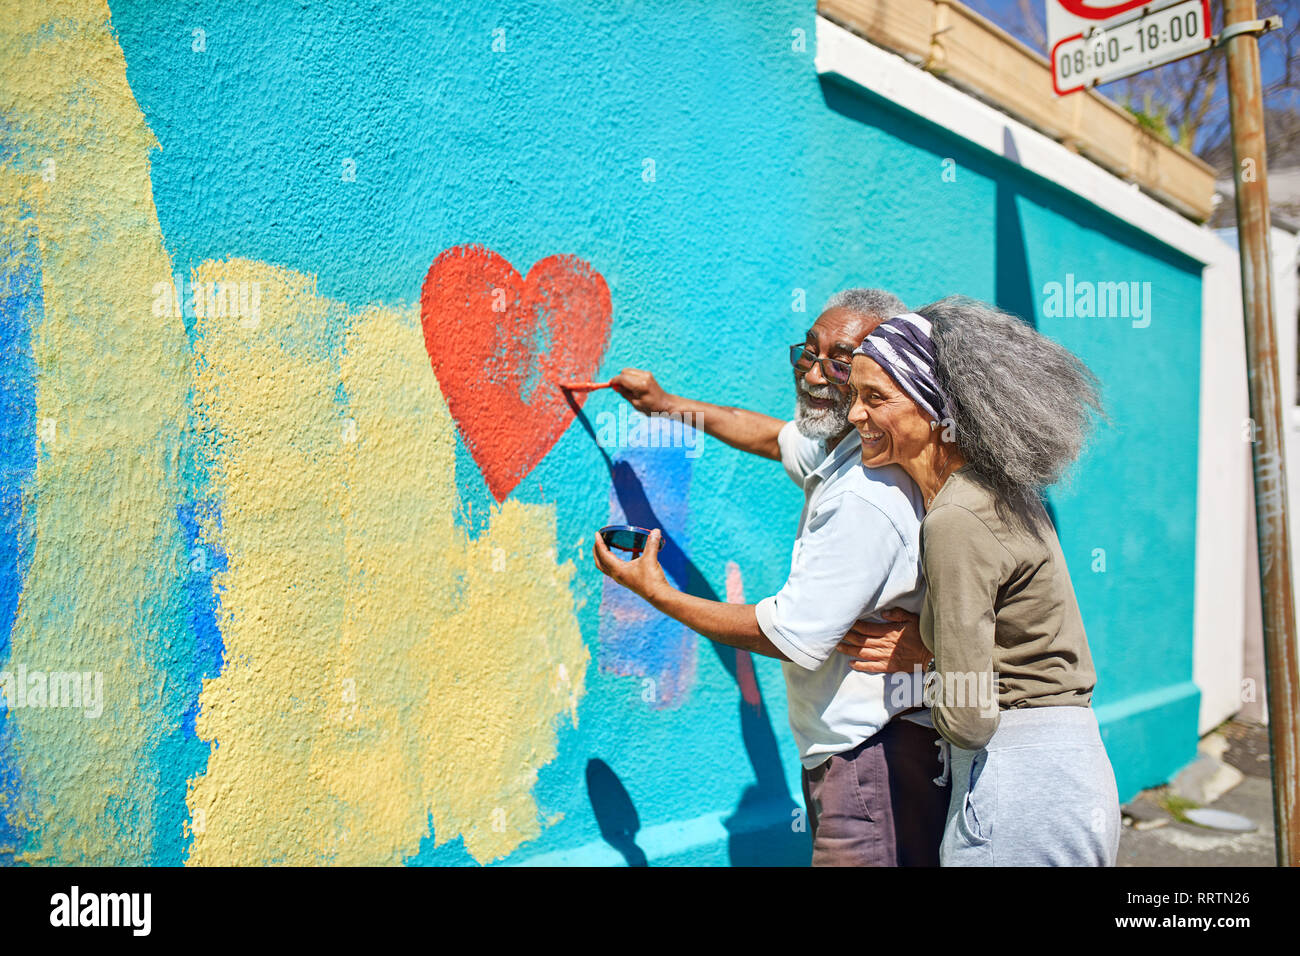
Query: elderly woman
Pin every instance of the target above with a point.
(984, 414)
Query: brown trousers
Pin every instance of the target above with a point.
(877, 804)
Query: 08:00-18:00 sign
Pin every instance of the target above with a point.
(1147, 39)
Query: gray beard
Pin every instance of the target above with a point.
(821, 424)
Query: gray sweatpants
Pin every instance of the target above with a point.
(1040, 793)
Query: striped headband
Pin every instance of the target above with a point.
(903, 348)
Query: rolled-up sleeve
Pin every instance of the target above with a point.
(964, 566)
(800, 455)
(851, 562)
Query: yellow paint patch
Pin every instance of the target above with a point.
(381, 669)
(110, 395)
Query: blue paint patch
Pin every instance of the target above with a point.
(451, 853)
(21, 308)
(650, 489)
(203, 560)
(474, 510)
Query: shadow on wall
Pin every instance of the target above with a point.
(1012, 284)
(615, 814)
(760, 831)
(1014, 290)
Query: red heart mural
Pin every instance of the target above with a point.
(500, 342)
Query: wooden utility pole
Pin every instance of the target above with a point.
(1246, 105)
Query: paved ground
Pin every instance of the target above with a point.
(1169, 842)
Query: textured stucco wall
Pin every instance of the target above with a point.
(329, 547)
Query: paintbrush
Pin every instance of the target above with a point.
(583, 386)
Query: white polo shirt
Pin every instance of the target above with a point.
(857, 552)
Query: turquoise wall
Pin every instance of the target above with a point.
(770, 186)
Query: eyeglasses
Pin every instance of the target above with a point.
(803, 358)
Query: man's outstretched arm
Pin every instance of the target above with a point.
(740, 428)
(896, 646)
(734, 625)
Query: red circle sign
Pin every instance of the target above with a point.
(1087, 10)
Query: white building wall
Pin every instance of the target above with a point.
(1223, 496)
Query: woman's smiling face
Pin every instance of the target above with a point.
(893, 429)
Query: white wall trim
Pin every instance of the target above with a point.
(890, 76)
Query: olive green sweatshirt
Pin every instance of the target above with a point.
(999, 615)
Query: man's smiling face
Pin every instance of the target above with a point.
(822, 407)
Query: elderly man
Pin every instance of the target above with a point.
(873, 783)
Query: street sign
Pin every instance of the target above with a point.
(1095, 42)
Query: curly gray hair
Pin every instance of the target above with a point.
(874, 303)
(1022, 405)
